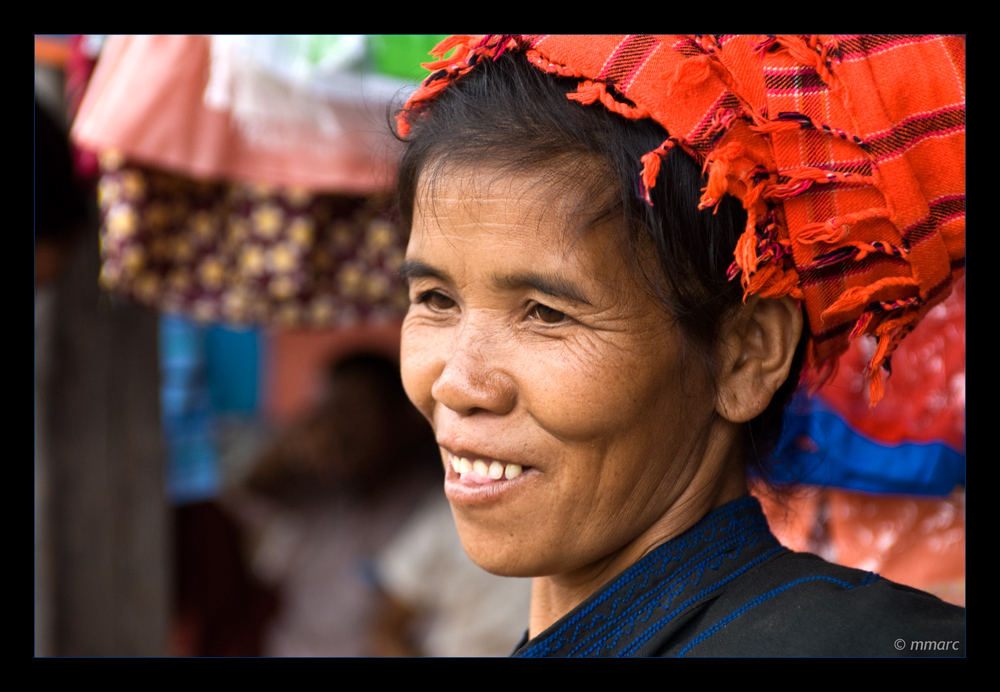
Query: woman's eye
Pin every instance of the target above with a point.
(547, 315)
(437, 301)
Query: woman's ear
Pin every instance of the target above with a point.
(757, 351)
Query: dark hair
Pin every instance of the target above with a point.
(515, 117)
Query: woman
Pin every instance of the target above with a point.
(599, 382)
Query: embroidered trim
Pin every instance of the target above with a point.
(756, 602)
(629, 651)
(742, 524)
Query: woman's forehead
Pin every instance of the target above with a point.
(502, 212)
(483, 195)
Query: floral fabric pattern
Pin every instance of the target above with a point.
(238, 253)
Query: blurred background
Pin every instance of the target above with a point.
(225, 461)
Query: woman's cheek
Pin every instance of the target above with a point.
(567, 392)
(419, 363)
(592, 386)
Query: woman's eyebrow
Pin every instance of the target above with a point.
(550, 285)
(415, 269)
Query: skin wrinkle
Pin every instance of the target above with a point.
(577, 182)
(621, 431)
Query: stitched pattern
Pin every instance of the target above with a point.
(753, 604)
(630, 651)
(702, 556)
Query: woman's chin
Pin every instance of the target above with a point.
(499, 548)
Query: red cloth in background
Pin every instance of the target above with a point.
(925, 396)
(916, 541)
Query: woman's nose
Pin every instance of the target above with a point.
(473, 380)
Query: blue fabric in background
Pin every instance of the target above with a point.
(232, 358)
(820, 448)
(205, 370)
(192, 461)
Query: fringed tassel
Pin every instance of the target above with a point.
(811, 53)
(788, 284)
(787, 190)
(836, 229)
(861, 326)
(900, 305)
(447, 69)
(853, 250)
(718, 164)
(431, 87)
(721, 122)
(650, 172)
(689, 73)
(864, 249)
(706, 42)
(766, 44)
(759, 260)
(755, 192)
(588, 92)
(462, 42)
(651, 167)
(746, 254)
(804, 178)
(787, 121)
(828, 232)
(497, 43)
(876, 390)
(536, 59)
(889, 334)
(403, 117)
(860, 296)
(696, 70)
(820, 175)
(768, 127)
(817, 55)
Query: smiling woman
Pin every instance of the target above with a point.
(598, 385)
(530, 348)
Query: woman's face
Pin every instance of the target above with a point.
(543, 364)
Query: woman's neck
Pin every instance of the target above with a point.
(553, 596)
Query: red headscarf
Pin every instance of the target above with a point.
(848, 153)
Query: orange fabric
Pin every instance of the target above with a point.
(848, 153)
(925, 397)
(51, 51)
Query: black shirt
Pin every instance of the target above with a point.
(727, 587)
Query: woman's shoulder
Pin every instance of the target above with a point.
(727, 587)
(797, 604)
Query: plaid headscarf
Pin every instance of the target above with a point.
(848, 153)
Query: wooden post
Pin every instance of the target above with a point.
(108, 518)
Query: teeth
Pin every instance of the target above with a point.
(495, 470)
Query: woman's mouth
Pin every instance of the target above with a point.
(483, 471)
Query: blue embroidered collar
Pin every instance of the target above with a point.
(664, 588)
